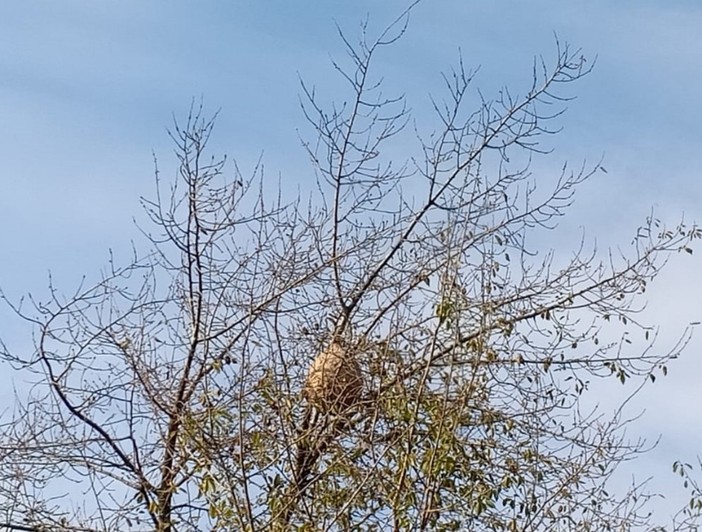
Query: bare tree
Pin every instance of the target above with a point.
(393, 351)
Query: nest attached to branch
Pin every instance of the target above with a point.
(334, 382)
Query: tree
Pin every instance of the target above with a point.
(395, 350)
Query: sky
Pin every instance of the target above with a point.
(88, 90)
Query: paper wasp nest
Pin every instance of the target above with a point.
(334, 382)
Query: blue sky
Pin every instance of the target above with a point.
(87, 90)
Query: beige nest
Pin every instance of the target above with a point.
(334, 382)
